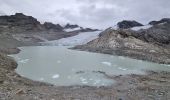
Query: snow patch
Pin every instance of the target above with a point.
(72, 29)
(141, 27)
(115, 27)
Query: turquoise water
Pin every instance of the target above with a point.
(64, 67)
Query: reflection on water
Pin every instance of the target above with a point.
(63, 67)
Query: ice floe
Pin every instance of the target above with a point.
(58, 61)
(42, 79)
(23, 61)
(122, 68)
(107, 63)
(55, 76)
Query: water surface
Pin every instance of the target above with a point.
(64, 67)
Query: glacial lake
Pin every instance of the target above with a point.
(61, 66)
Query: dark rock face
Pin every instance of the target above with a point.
(19, 22)
(88, 30)
(128, 24)
(164, 20)
(49, 26)
(79, 28)
(158, 34)
(71, 26)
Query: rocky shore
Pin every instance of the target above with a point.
(151, 86)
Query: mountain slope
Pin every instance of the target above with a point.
(152, 44)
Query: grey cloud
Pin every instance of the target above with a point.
(89, 13)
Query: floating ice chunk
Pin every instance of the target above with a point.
(18, 58)
(91, 79)
(97, 81)
(73, 69)
(83, 80)
(58, 61)
(42, 79)
(55, 76)
(23, 61)
(107, 63)
(120, 57)
(122, 68)
(69, 77)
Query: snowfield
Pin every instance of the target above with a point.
(79, 39)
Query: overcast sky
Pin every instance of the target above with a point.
(89, 13)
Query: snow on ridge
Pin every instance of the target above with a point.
(82, 38)
(115, 27)
(141, 27)
(72, 29)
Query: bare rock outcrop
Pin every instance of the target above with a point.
(152, 44)
(125, 24)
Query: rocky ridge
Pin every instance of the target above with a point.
(152, 44)
(22, 30)
(125, 24)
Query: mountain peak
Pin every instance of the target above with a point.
(71, 26)
(164, 20)
(125, 24)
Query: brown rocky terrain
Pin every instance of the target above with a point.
(22, 30)
(152, 44)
